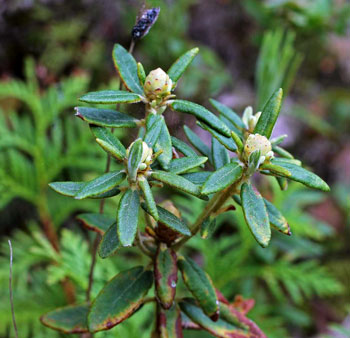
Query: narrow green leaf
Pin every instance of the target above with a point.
(219, 154)
(255, 214)
(67, 188)
(164, 143)
(302, 175)
(226, 141)
(95, 222)
(141, 73)
(152, 133)
(127, 217)
(109, 142)
(282, 182)
(147, 192)
(197, 142)
(207, 228)
(177, 182)
(183, 164)
(269, 114)
(127, 69)
(282, 152)
(119, 298)
(106, 117)
(228, 113)
(180, 65)
(170, 220)
(165, 275)
(197, 178)
(182, 147)
(72, 188)
(202, 114)
(200, 285)
(110, 96)
(239, 144)
(68, 319)
(134, 159)
(101, 184)
(276, 218)
(276, 169)
(169, 322)
(221, 328)
(222, 178)
(109, 243)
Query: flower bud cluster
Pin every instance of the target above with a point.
(146, 157)
(249, 119)
(258, 142)
(157, 84)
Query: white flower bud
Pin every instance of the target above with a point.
(157, 84)
(249, 119)
(258, 142)
(147, 152)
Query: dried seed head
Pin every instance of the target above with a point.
(144, 23)
(257, 142)
(157, 84)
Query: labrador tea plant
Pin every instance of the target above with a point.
(153, 159)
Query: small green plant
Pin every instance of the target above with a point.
(156, 228)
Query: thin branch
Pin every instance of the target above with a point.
(11, 293)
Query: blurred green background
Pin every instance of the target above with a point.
(52, 51)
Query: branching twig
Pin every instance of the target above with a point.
(11, 293)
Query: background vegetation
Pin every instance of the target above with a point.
(52, 51)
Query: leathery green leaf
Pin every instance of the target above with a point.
(101, 184)
(183, 164)
(164, 143)
(147, 192)
(96, 222)
(228, 113)
(109, 243)
(255, 214)
(72, 188)
(105, 117)
(222, 178)
(169, 322)
(202, 114)
(197, 178)
(127, 69)
(234, 325)
(170, 220)
(276, 218)
(119, 298)
(302, 175)
(221, 328)
(180, 65)
(276, 169)
(200, 285)
(68, 319)
(165, 275)
(127, 217)
(269, 114)
(182, 147)
(197, 142)
(226, 141)
(208, 228)
(134, 159)
(219, 154)
(110, 96)
(109, 142)
(177, 182)
(153, 132)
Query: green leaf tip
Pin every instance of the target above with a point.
(269, 114)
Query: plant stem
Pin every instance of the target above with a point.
(217, 201)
